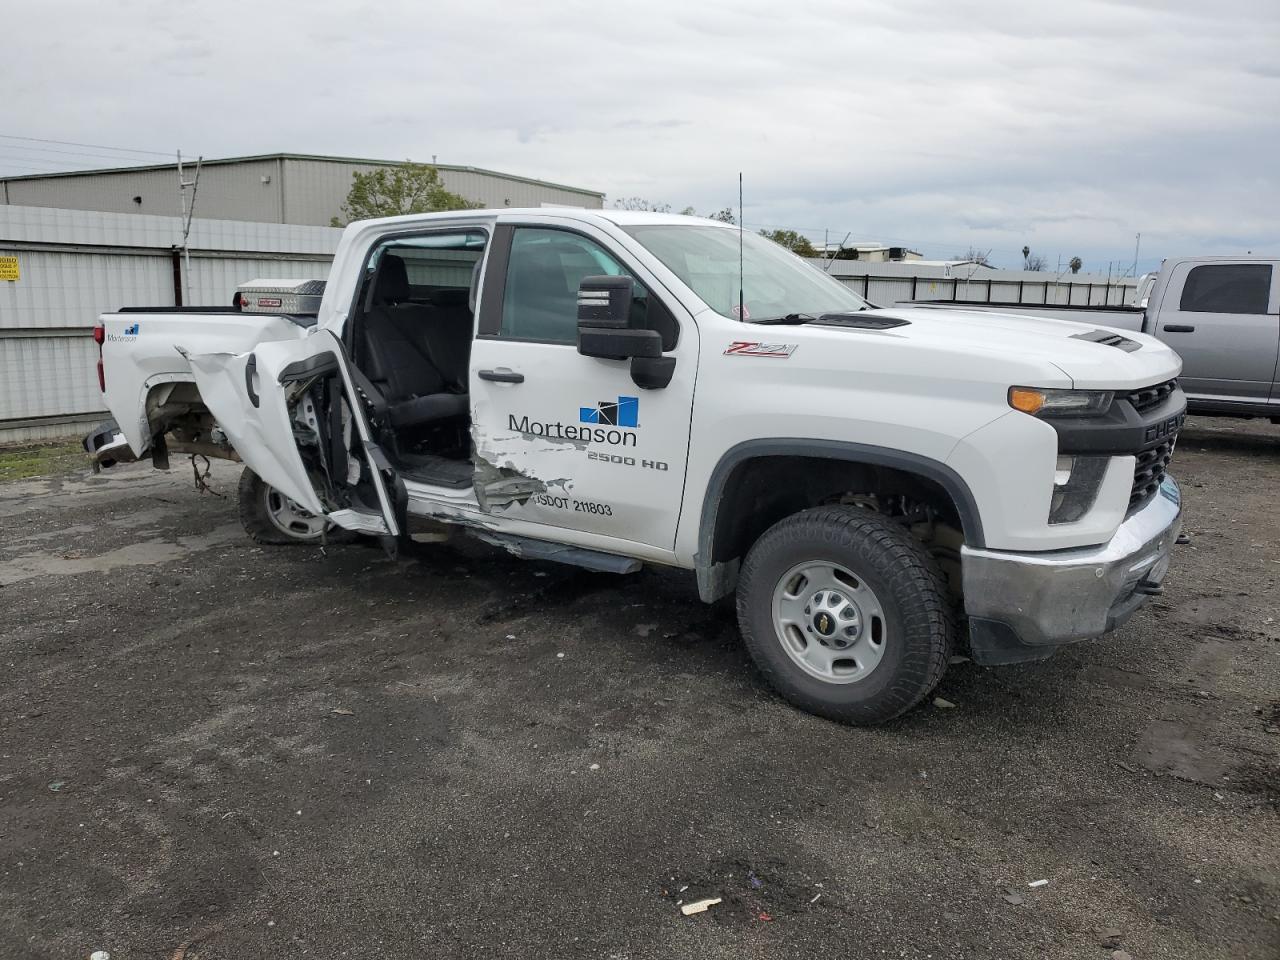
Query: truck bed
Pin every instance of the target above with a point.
(144, 347)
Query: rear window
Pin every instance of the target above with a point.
(1227, 288)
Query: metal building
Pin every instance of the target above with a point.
(64, 267)
(279, 188)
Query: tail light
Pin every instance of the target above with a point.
(100, 337)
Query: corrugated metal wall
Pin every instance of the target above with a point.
(77, 264)
(227, 192)
(306, 191)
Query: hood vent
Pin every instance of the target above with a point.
(1109, 339)
(861, 321)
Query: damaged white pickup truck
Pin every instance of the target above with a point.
(607, 388)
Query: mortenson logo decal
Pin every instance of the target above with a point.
(129, 334)
(598, 424)
(624, 412)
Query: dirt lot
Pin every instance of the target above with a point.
(211, 749)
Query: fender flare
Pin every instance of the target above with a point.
(715, 582)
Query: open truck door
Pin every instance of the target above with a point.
(292, 411)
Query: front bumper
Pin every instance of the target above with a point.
(1023, 605)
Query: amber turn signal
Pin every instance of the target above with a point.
(1025, 399)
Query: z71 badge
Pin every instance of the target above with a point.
(753, 348)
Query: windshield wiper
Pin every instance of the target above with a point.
(791, 319)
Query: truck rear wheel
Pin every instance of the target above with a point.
(269, 517)
(845, 614)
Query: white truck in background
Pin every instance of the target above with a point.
(608, 388)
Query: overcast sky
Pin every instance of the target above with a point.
(1068, 126)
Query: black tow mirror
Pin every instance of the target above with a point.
(605, 331)
(605, 302)
(604, 321)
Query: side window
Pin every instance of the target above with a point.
(1227, 288)
(543, 274)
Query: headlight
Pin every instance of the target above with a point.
(1059, 403)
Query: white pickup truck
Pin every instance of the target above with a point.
(607, 388)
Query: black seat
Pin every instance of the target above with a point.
(449, 335)
(396, 342)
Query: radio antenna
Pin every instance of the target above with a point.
(742, 306)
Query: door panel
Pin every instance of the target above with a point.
(566, 440)
(287, 409)
(1221, 319)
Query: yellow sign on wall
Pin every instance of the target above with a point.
(9, 269)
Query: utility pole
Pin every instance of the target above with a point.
(1137, 245)
(186, 212)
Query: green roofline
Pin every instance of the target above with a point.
(303, 156)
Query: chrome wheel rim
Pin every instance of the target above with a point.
(829, 621)
(290, 519)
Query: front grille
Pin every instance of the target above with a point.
(1150, 470)
(1149, 398)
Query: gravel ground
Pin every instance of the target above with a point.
(210, 749)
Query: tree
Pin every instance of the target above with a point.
(1075, 264)
(1033, 261)
(795, 242)
(392, 191)
(688, 212)
(974, 255)
(724, 216)
(640, 203)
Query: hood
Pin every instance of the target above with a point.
(1053, 347)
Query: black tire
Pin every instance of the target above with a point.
(919, 617)
(255, 516)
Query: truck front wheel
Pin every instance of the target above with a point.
(845, 614)
(269, 517)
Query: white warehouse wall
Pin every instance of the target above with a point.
(77, 264)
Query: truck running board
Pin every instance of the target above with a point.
(528, 548)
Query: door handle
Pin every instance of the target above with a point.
(250, 371)
(1178, 328)
(501, 376)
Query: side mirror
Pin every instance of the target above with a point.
(604, 321)
(605, 302)
(605, 331)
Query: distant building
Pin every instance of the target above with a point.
(868, 251)
(273, 188)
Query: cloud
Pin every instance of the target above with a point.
(1068, 126)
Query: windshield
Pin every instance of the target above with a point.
(775, 282)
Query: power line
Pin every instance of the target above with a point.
(28, 163)
(40, 160)
(17, 166)
(91, 146)
(72, 153)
